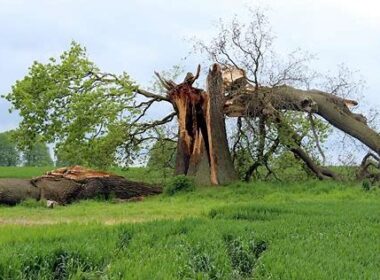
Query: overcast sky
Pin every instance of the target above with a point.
(140, 36)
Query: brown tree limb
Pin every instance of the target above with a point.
(167, 84)
(331, 108)
(369, 160)
(154, 96)
(316, 138)
(292, 141)
(263, 160)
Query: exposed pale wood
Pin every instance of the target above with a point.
(202, 149)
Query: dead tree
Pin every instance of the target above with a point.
(256, 102)
(202, 149)
(332, 108)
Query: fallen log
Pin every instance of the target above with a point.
(13, 191)
(69, 184)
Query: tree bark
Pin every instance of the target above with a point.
(369, 161)
(69, 184)
(13, 191)
(332, 108)
(202, 150)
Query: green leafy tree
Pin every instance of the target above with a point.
(9, 155)
(70, 102)
(162, 154)
(37, 155)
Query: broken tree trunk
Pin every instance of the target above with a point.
(202, 149)
(69, 184)
(330, 107)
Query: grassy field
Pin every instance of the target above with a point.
(310, 230)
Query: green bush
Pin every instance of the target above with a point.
(366, 185)
(179, 183)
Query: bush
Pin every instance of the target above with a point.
(179, 183)
(366, 185)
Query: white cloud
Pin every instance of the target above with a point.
(142, 36)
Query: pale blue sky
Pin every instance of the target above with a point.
(142, 36)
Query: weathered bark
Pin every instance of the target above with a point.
(368, 162)
(332, 108)
(13, 191)
(202, 150)
(222, 168)
(66, 185)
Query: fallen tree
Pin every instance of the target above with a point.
(69, 184)
(203, 150)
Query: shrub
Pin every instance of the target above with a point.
(179, 183)
(366, 185)
(244, 255)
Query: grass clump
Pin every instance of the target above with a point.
(32, 203)
(179, 183)
(243, 254)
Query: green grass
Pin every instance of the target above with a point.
(310, 230)
(22, 172)
(134, 173)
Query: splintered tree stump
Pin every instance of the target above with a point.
(202, 148)
(69, 184)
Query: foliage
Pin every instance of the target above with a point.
(366, 185)
(162, 155)
(9, 155)
(68, 101)
(180, 183)
(37, 155)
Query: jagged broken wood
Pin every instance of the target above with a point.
(69, 184)
(202, 149)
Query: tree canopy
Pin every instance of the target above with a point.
(69, 102)
(37, 155)
(9, 155)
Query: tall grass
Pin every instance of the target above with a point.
(311, 230)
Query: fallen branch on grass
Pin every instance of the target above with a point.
(69, 184)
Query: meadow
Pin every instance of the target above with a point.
(278, 230)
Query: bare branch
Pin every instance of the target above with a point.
(167, 84)
(154, 96)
